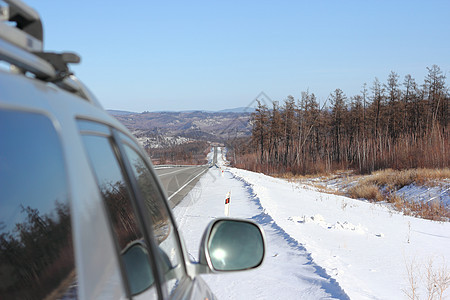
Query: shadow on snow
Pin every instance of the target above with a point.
(329, 284)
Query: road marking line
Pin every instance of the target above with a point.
(184, 169)
(170, 197)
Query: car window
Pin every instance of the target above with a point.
(163, 228)
(118, 202)
(36, 248)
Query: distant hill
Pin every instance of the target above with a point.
(234, 110)
(153, 128)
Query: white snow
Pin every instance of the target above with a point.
(440, 192)
(344, 180)
(319, 246)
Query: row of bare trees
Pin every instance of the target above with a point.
(191, 153)
(394, 124)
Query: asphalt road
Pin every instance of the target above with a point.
(179, 180)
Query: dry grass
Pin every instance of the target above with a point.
(324, 189)
(366, 191)
(381, 185)
(427, 210)
(432, 211)
(434, 277)
(398, 202)
(291, 176)
(316, 180)
(398, 179)
(429, 176)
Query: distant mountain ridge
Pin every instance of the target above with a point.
(242, 109)
(157, 127)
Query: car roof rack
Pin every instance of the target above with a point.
(21, 45)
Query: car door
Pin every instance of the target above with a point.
(147, 242)
(165, 233)
(37, 258)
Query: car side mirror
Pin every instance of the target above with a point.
(137, 266)
(232, 245)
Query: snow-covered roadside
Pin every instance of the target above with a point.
(288, 271)
(318, 243)
(366, 247)
(342, 181)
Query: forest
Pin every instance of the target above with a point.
(193, 152)
(399, 124)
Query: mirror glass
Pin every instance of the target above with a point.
(235, 245)
(139, 274)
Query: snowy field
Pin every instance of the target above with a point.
(343, 181)
(319, 246)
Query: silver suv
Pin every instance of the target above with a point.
(82, 213)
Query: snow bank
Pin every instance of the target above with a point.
(319, 246)
(366, 247)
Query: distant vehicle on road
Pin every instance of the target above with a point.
(83, 214)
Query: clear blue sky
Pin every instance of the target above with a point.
(170, 55)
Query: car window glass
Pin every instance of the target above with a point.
(115, 191)
(126, 139)
(163, 228)
(36, 248)
(87, 127)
